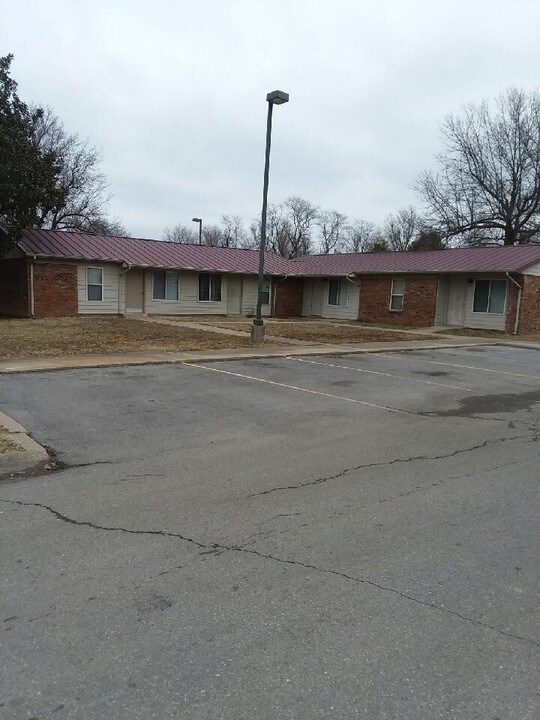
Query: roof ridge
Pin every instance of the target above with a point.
(131, 237)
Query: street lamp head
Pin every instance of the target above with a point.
(196, 219)
(277, 97)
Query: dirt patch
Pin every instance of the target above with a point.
(80, 336)
(6, 443)
(327, 332)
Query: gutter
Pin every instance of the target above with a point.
(518, 305)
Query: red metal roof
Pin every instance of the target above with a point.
(482, 259)
(157, 253)
(146, 253)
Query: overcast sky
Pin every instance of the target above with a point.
(173, 93)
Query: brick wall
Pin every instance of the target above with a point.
(14, 288)
(288, 302)
(529, 317)
(55, 290)
(418, 307)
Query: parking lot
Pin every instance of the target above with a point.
(330, 536)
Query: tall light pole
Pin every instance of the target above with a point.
(277, 97)
(199, 220)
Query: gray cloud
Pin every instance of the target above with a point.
(173, 93)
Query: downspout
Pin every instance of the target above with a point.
(32, 299)
(120, 274)
(518, 304)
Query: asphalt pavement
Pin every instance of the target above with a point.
(286, 538)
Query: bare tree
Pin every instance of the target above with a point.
(277, 231)
(83, 186)
(234, 233)
(332, 226)
(105, 226)
(358, 235)
(300, 216)
(428, 240)
(401, 229)
(378, 244)
(180, 234)
(488, 185)
(213, 236)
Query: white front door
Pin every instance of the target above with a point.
(457, 294)
(234, 295)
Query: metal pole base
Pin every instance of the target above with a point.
(257, 333)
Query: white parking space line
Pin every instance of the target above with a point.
(300, 389)
(378, 372)
(464, 367)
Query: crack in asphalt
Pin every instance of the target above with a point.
(414, 458)
(86, 523)
(285, 561)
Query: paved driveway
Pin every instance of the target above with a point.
(348, 537)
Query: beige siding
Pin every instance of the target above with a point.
(249, 296)
(533, 270)
(312, 301)
(487, 321)
(188, 297)
(341, 312)
(111, 282)
(306, 297)
(442, 301)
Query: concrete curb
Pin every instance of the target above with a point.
(167, 358)
(30, 455)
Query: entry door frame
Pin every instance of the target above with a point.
(134, 291)
(234, 300)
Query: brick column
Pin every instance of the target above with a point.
(288, 297)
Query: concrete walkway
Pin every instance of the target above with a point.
(37, 364)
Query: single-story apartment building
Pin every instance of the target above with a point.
(57, 273)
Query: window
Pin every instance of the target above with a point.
(94, 283)
(397, 294)
(338, 293)
(209, 287)
(489, 296)
(165, 285)
(265, 295)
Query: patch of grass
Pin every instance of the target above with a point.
(473, 332)
(86, 335)
(6, 443)
(325, 332)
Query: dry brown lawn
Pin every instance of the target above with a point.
(474, 332)
(6, 443)
(322, 332)
(82, 336)
(340, 333)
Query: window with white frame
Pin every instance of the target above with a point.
(338, 292)
(265, 295)
(210, 287)
(489, 296)
(94, 284)
(165, 285)
(397, 294)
